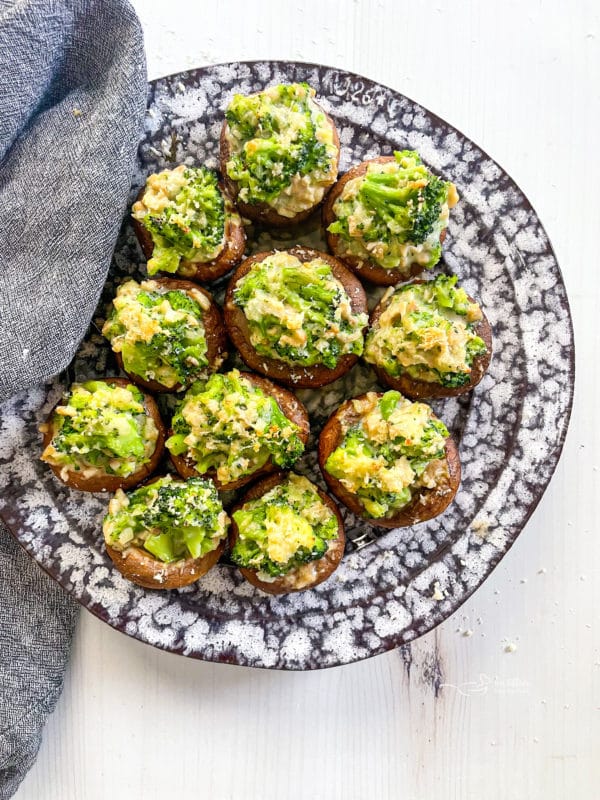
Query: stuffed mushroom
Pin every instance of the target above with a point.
(286, 534)
(187, 224)
(235, 427)
(389, 460)
(103, 435)
(387, 217)
(429, 339)
(279, 153)
(166, 333)
(297, 316)
(166, 534)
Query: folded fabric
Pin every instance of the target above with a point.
(72, 100)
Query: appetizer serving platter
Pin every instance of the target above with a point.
(392, 586)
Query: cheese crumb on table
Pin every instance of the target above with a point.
(438, 593)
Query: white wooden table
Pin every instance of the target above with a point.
(455, 716)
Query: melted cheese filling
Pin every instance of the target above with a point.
(294, 316)
(141, 322)
(304, 191)
(359, 470)
(403, 254)
(161, 192)
(401, 339)
(118, 398)
(286, 532)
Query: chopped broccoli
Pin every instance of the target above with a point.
(297, 312)
(103, 426)
(169, 518)
(382, 471)
(176, 352)
(427, 331)
(390, 208)
(285, 528)
(277, 132)
(407, 203)
(229, 425)
(190, 225)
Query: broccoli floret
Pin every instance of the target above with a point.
(401, 209)
(428, 208)
(447, 295)
(475, 347)
(287, 457)
(453, 380)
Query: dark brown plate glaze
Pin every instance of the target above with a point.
(509, 430)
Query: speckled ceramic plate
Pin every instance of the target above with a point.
(391, 586)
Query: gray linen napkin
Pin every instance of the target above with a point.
(72, 100)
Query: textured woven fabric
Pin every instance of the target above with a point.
(36, 624)
(72, 100)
